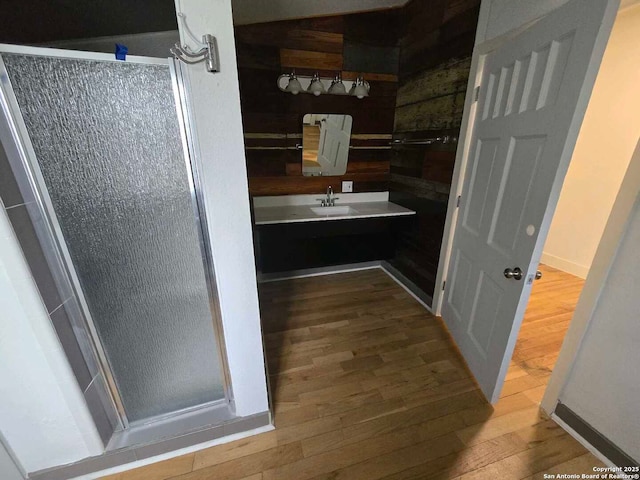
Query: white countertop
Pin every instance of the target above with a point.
(301, 211)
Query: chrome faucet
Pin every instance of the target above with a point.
(329, 200)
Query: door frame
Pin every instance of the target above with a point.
(606, 252)
(612, 235)
(481, 50)
(52, 240)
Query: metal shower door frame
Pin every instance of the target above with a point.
(54, 244)
(179, 81)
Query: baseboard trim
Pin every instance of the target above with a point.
(564, 265)
(593, 440)
(316, 272)
(133, 457)
(412, 289)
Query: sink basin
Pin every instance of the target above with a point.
(332, 211)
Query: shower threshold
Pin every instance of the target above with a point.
(177, 424)
(202, 427)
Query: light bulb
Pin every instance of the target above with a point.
(316, 86)
(361, 91)
(360, 88)
(294, 85)
(337, 87)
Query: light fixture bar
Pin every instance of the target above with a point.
(317, 85)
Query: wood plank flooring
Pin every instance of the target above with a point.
(367, 385)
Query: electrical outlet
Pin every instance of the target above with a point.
(347, 187)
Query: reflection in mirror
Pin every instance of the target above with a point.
(325, 144)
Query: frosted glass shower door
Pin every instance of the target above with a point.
(108, 147)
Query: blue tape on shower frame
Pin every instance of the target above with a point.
(121, 52)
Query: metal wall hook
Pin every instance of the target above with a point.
(208, 53)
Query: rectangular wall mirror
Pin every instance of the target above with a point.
(325, 144)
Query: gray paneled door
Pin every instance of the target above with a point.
(533, 96)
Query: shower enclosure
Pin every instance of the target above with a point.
(105, 152)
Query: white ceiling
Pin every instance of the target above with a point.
(257, 11)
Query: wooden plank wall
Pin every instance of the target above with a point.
(435, 58)
(363, 43)
(417, 59)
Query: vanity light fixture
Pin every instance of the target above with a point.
(337, 87)
(360, 88)
(317, 85)
(294, 87)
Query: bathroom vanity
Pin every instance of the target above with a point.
(295, 232)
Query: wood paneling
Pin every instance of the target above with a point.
(449, 78)
(371, 58)
(285, 185)
(367, 385)
(351, 44)
(438, 166)
(436, 113)
(289, 35)
(435, 58)
(417, 59)
(437, 32)
(300, 59)
(372, 77)
(382, 27)
(263, 32)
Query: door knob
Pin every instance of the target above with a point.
(516, 273)
(538, 275)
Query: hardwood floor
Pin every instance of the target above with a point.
(367, 385)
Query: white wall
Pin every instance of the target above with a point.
(600, 287)
(606, 142)
(43, 417)
(215, 99)
(8, 469)
(153, 44)
(602, 387)
(256, 11)
(596, 280)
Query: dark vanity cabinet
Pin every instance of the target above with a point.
(284, 247)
